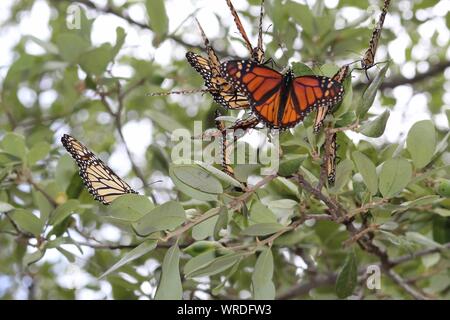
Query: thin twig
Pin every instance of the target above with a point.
(360, 234)
(44, 193)
(404, 285)
(235, 204)
(418, 254)
(121, 14)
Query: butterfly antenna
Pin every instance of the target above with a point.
(239, 25)
(205, 39)
(168, 93)
(147, 185)
(260, 33)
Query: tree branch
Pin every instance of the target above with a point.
(304, 288)
(418, 254)
(404, 285)
(399, 80)
(124, 16)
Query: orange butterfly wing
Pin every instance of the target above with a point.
(261, 84)
(281, 101)
(323, 110)
(317, 92)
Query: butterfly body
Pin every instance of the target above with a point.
(225, 161)
(257, 53)
(99, 179)
(220, 89)
(331, 151)
(280, 100)
(368, 60)
(323, 110)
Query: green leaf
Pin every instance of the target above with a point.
(394, 176)
(198, 262)
(367, 170)
(441, 225)
(422, 201)
(63, 211)
(216, 290)
(69, 256)
(197, 178)
(199, 247)
(442, 212)
(14, 144)
(343, 172)
(220, 174)
(144, 248)
(166, 122)
(204, 229)
(27, 221)
(259, 213)
(44, 206)
(120, 40)
(189, 191)
(131, 207)
(221, 223)
(96, 60)
(167, 216)
(421, 143)
(375, 128)
(169, 287)
(430, 259)
(301, 69)
(71, 46)
(371, 92)
(33, 257)
(159, 21)
(64, 171)
(421, 239)
(262, 284)
(290, 166)
(38, 152)
(347, 278)
(262, 229)
(5, 207)
(217, 265)
(301, 15)
(48, 46)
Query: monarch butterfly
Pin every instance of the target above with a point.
(257, 54)
(281, 101)
(99, 179)
(330, 158)
(225, 152)
(209, 68)
(322, 111)
(368, 60)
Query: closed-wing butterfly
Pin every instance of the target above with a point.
(368, 60)
(331, 156)
(99, 179)
(325, 109)
(225, 146)
(221, 90)
(257, 54)
(281, 100)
